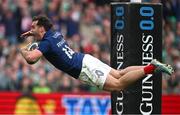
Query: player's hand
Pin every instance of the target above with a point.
(26, 34)
(26, 47)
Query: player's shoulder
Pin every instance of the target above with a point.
(53, 36)
(57, 34)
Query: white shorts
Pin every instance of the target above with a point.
(94, 72)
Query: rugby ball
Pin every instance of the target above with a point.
(32, 46)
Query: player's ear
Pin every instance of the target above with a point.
(41, 29)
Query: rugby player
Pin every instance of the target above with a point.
(83, 67)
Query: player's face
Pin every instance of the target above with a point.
(36, 30)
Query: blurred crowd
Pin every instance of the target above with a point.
(171, 44)
(85, 24)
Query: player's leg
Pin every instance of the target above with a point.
(118, 73)
(149, 68)
(133, 75)
(112, 84)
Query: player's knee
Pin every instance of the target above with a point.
(118, 86)
(118, 74)
(121, 73)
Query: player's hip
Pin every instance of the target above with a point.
(94, 72)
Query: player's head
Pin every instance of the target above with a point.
(40, 24)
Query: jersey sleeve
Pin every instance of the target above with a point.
(44, 46)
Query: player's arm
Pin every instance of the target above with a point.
(26, 34)
(30, 56)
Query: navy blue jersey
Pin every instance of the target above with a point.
(57, 52)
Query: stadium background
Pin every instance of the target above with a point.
(85, 24)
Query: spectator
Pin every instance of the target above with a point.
(42, 87)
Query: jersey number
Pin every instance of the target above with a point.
(99, 73)
(68, 51)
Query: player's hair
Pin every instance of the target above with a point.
(43, 21)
